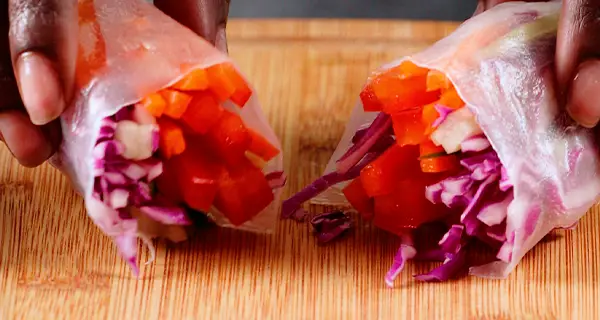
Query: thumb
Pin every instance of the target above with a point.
(578, 59)
(43, 44)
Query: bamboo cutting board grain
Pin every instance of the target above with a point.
(56, 264)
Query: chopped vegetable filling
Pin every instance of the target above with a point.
(180, 148)
(439, 168)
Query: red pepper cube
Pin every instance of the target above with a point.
(408, 127)
(198, 174)
(230, 138)
(406, 207)
(261, 147)
(203, 113)
(243, 193)
(358, 198)
(167, 183)
(369, 100)
(397, 94)
(380, 176)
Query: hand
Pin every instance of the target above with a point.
(37, 65)
(577, 58)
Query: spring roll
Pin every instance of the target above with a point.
(164, 129)
(466, 135)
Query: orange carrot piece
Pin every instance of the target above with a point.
(439, 164)
(177, 102)
(155, 104)
(408, 69)
(429, 117)
(171, 141)
(451, 99)
(195, 80)
(408, 127)
(220, 81)
(397, 94)
(228, 84)
(436, 81)
(261, 146)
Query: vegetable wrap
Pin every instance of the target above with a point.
(469, 135)
(163, 129)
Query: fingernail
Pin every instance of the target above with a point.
(40, 88)
(583, 106)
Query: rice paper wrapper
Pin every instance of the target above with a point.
(501, 63)
(127, 50)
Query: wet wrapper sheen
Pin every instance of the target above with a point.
(536, 168)
(162, 123)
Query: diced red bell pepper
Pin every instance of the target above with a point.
(230, 138)
(380, 176)
(397, 94)
(261, 146)
(243, 193)
(358, 198)
(198, 174)
(408, 127)
(256, 160)
(167, 183)
(203, 113)
(406, 207)
(369, 100)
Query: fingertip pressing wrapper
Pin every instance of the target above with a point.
(162, 128)
(467, 134)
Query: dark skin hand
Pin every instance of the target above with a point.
(37, 65)
(577, 58)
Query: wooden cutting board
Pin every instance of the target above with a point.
(56, 264)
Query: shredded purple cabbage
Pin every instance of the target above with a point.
(406, 252)
(293, 204)
(358, 150)
(276, 179)
(331, 225)
(444, 112)
(121, 183)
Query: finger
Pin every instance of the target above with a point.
(208, 18)
(43, 35)
(26, 141)
(577, 59)
(483, 5)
